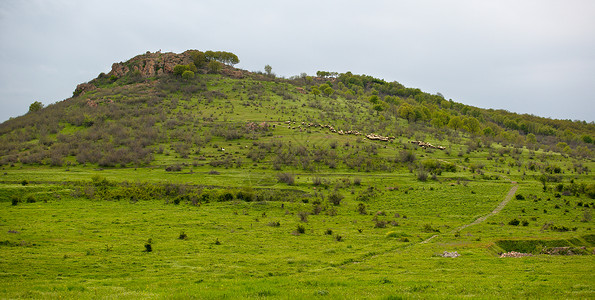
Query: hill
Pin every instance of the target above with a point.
(179, 175)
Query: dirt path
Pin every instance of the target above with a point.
(499, 208)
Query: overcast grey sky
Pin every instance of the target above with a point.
(524, 56)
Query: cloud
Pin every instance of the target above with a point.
(524, 56)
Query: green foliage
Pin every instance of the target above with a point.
(222, 57)
(187, 75)
(35, 106)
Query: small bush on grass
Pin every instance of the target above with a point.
(335, 198)
(328, 232)
(287, 178)
(514, 222)
(274, 224)
(361, 208)
(301, 229)
(428, 228)
(303, 216)
(148, 245)
(183, 236)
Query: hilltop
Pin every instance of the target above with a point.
(142, 105)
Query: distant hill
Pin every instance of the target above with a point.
(158, 105)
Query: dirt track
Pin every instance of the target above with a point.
(499, 208)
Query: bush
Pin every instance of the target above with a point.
(286, 178)
(187, 75)
(422, 175)
(329, 232)
(183, 236)
(148, 245)
(429, 228)
(514, 222)
(335, 198)
(301, 229)
(361, 208)
(520, 197)
(303, 216)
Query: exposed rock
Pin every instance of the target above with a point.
(83, 87)
(515, 254)
(152, 64)
(450, 254)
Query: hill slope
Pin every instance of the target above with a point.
(145, 106)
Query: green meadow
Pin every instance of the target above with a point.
(214, 187)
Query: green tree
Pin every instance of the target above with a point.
(531, 139)
(35, 106)
(374, 99)
(472, 125)
(455, 123)
(329, 91)
(268, 69)
(214, 67)
(179, 69)
(315, 92)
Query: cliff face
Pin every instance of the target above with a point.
(151, 64)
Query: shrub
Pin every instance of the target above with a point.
(303, 216)
(187, 75)
(274, 224)
(429, 228)
(361, 208)
(317, 181)
(183, 236)
(520, 197)
(148, 245)
(514, 222)
(357, 181)
(338, 238)
(286, 178)
(31, 199)
(422, 175)
(380, 224)
(15, 200)
(328, 232)
(301, 229)
(335, 198)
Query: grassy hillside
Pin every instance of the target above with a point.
(177, 175)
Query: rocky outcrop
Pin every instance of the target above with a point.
(151, 64)
(83, 87)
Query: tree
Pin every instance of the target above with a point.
(455, 122)
(215, 67)
(268, 69)
(35, 106)
(315, 91)
(329, 91)
(374, 99)
(472, 125)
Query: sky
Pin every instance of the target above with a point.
(524, 56)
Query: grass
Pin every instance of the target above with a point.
(64, 244)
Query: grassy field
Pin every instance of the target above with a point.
(294, 211)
